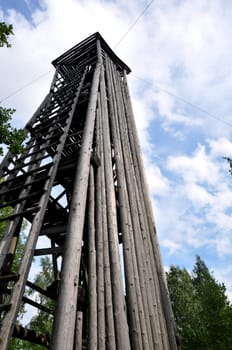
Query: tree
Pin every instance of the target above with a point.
(5, 32)
(214, 308)
(44, 276)
(43, 321)
(202, 311)
(9, 136)
(185, 305)
(16, 344)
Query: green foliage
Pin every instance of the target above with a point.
(16, 344)
(21, 240)
(3, 213)
(42, 322)
(202, 311)
(184, 302)
(5, 31)
(10, 136)
(19, 344)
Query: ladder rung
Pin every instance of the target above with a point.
(66, 90)
(64, 97)
(38, 306)
(46, 166)
(5, 307)
(39, 150)
(71, 144)
(48, 251)
(10, 190)
(56, 109)
(57, 135)
(23, 213)
(54, 230)
(31, 336)
(53, 108)
(39, 129)
(11, 277)
(20, 199)
(51, 115)
(38, 289)
(19, 167)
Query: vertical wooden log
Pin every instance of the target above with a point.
(152, 284)
(99, 244)
(78, 331)
(66, 304)
(138, 160)
(121, 330)
(141, 258)
(143, 253)
(92, 319)
(110, 332)
(130, 277)
(120, 320)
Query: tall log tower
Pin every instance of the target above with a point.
(81, 189)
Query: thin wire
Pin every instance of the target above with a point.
(134, 23)
(26, 85)
(185, 101)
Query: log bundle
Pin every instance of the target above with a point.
(80, 184)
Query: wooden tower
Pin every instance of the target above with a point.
(81, 189)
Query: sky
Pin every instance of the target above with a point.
(180, 54)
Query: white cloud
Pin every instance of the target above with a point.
(201, 201)
(221, 147)
(158, 183)
(224, 246)
(224, 274)
(197, 194)
(200, 167)
(171, 245)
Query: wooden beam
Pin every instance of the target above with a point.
(101, 327)
(130, 276)
(31, 336)
(121, 326)
(92, 280)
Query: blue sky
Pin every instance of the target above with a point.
(178, 51)
(26, 8)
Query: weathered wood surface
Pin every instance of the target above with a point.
(109, 312)
(92, 290)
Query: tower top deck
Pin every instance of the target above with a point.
(85, 53)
